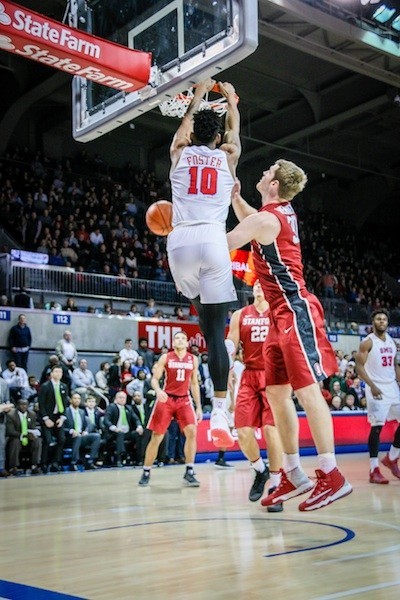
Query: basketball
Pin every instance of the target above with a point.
(159, 217)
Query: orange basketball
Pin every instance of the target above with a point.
(159, 217)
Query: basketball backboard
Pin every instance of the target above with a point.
(189, 40)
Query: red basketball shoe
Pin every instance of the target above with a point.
(286, 489)
(329, 488)
(392, 465)
(376, 476)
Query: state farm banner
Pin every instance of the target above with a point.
(243, 266)
(28, 34)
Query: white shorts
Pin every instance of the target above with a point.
(200, 263)
(387, 409)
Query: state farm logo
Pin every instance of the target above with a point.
(56, 46)
(5, 19)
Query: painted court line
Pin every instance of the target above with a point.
(360, 590)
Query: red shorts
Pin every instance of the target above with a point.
(252, 408)
(297, 350)
(179, 408)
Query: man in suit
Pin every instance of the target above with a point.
(121, 425)
(5, 408)
(81, 433)
(23, 434)
(143, 412)
(53, 401)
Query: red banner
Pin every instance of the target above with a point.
(350, 430)
(28, 34)
(243, 266)
(160, 333)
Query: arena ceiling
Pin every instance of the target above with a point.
(310, 92)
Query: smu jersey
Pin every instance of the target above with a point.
(279, 265)
(253, 328)
(201, 186)
(381, 361)
(178, 374)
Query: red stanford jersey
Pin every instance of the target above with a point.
(178, 373)
(253, 328)
(279, 266)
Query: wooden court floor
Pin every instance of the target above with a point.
(97, 535)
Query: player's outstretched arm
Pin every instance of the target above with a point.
(241, 208)
(231, 141)
(182, 137)
(263, 227)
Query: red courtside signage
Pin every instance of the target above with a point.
(28, 34)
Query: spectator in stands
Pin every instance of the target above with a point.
(23, 299)
(96, 237)
(150, 309)
(144, 351)
(53, 305)
(128, 353)
(16, 379)
(53, 401)
(114, 377)
(4, 300)
(5, 408)
(91, 310)
(83, 380)
(68, 252)
(133, 312)
(139, 384)
(353, 329)
(93, 413)
(121, 425)
(107, 309)
(350, 403)
(71, 305)
(20, 340)
(55, 361)
(101, 377)
(342, 362)
(23, 434)
(359, 388)
(139, 365)
(336, 403)
(179, 314)
(31, 392)
(126, 374)
(337, 392)
(327, 284)
(81, 433)
(66, 350)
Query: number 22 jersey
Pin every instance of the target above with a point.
(253, 329)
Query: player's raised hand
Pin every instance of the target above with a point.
(235, 194)
(226, 89)
(205, 86)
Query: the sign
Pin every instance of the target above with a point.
(28, 34)
(159, 334)
(61, 319)
(243, 266)
(5, 315)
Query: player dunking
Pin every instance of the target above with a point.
(202, 177)
(181, 375)
(297, 353)
(249, 326)
(376, 364)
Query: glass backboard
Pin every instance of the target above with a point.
(189, 40)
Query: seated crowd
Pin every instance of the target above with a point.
(90, 217)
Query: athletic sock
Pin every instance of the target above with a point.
(394, 453)
(275, 478)
(291, 461)
(189, 468)
(258, 465)
(219, 404)
(327, 462)
(373, 463)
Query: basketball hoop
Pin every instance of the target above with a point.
(178, 105)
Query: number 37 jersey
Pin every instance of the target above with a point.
(253, 329)
(201, 186)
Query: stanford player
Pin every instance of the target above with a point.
(202, 175)
(180, 368)
(249, 327)
(297, 353)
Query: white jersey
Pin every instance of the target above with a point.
(201, 187)
(381, 361)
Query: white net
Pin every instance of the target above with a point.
(177, 106)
